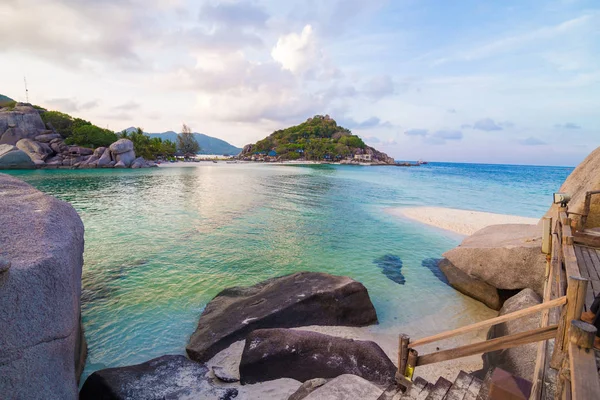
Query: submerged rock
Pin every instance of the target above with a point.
(507, 257)
(166, 377)
(271, 354)
(519, 361)
(391, 267)
(42, 349)
(300, 299)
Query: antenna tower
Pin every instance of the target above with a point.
(26, 90)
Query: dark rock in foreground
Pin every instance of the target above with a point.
(166, 377)
(519, 361)
(300, 299)
(271, 354)
(42, 348)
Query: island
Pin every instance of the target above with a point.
(318, 139)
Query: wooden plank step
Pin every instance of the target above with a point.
(425, 392)
(459, 387)
(473, 389)
(439, 390)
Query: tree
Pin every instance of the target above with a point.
(91, 136)
(186, 142)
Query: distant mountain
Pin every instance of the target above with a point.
(208, 144)
(5, 100)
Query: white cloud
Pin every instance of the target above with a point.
(297, 52)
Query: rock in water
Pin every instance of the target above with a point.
(271, 354)
(13, 158)
(346, 387)
(471, 286)
(40, 331)
(391, 266)
(507, 257)
(35, 150)
(166, 377)
(519, 361)
(300, 299)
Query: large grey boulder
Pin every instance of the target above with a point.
(13, 158)
(126, 158)
(41, 341)
(307, 388)
(22, 122)
(138, 163)
(300, 299)
(166, 377)
(519, 361)
(47, 137)
(105, 159)
(507, 257)
(121, 146)
(35, 150)
(271, 354)
(583, 179)
(471, 286)
(346, 387)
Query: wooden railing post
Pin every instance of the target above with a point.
(402, 354)
(583, 373)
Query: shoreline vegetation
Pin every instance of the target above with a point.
(462, 222)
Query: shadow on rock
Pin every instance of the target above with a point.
(391, 266)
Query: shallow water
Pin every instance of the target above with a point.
(161, 243)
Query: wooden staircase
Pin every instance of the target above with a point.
(464, 387)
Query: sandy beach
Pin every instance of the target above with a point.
(463, 222)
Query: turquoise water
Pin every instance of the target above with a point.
(161, 243)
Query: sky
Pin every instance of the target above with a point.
(491, 82)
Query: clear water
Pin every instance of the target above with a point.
(161, 243)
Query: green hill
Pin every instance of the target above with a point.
(208, 144)
(6, 101)
(318, 138)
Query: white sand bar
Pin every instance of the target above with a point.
(463, 222)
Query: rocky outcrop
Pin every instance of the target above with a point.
(38, 147)
(307, 388)
(519, 361)
(13, 158)
(471, 286)
(585, 178)
(271, 354)
(507, 257)
(300, 299)
(346, 387)
(166, 377)
(41, 337)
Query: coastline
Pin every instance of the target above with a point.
(462, 222)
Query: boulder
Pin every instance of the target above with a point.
(121, 146)
(40, 340)
(506, 257)
(47, 138)
(471, 286)
(98, 152)
(35, 150)
(59, 147)
(221, 374)
(307, 388)
(138, 163)
(79, 151)
(300, 299)
(519, 361)
(105, 159)
(346, 387)
(13, 135)
(126, 158)
(120, 164)
(166, 377)
(13, 158)
(584, 178)
(271, 354)
(90, 162)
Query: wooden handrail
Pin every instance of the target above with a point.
(501, 343)
(489, 322)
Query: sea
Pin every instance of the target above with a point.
(161, 243)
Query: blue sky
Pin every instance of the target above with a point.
(470, 81)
